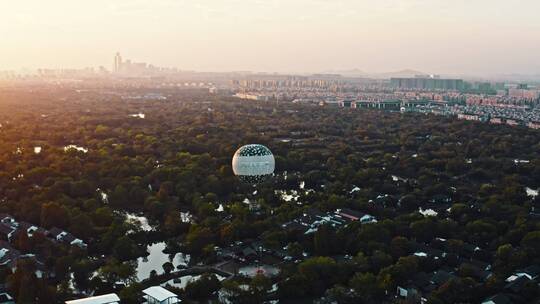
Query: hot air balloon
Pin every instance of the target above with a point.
(253, 163)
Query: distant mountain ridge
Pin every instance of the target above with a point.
(402, 73)
(361, 73)
(350, 73)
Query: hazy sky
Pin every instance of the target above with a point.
(437, 36)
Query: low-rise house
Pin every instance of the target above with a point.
(30, 229)
(41, 271)
(55, 233)
(498, 299)
(532, 272)
(534, 125)
(7, 219)
(516, 286)
(305, 221)
(384, 200)
(312, 219)
(472, 117)
(407, 292)
(347, 104)
(440, 277)
(10, 228)
(242, 252)
(62, 236)
(110, 298)
(423, 250)
(440, 199)
(294, 226)
(522, 276)
(411, 294)
(353, 215)
(6, 298)
(496, 120)
(8, 255)
(439, 243)
(399, 179)
(159, 295)
(7, 232)
(415, 288)
(512, 122)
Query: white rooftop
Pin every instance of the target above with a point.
(159, 293)
(110, 298)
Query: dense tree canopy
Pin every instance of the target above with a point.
(178, 160)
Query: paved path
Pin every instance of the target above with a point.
(196, 270)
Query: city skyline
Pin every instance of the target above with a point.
(122, 66)
(454, 38)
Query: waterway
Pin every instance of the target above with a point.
(156, 259)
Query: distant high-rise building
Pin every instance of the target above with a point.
(427, 83)
(117, 63)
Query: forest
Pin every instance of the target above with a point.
(82, 160)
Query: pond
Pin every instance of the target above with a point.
(186, 217)
(428, 212)
(142, 221)
(531, 192)
(156, 259)
(138, 115)
(75, 147)
(220, 208)
(288, 196)
(104, 196)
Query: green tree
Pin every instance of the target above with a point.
(531, 242)
(125, 248)
(202, 288)
(365, 284)
(53, 214)
(168, 267)
(324, 240)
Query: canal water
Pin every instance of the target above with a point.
(156, 259)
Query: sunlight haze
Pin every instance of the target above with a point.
(454, 37)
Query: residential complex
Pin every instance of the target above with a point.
(427, 83)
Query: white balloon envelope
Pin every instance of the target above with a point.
(253, 163)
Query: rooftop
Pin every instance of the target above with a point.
(110, 298)
(160, 294)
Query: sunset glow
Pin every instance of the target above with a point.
(455, 37)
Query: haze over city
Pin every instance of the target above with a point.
(478, 37)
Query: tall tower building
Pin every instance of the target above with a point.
(117, 63)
